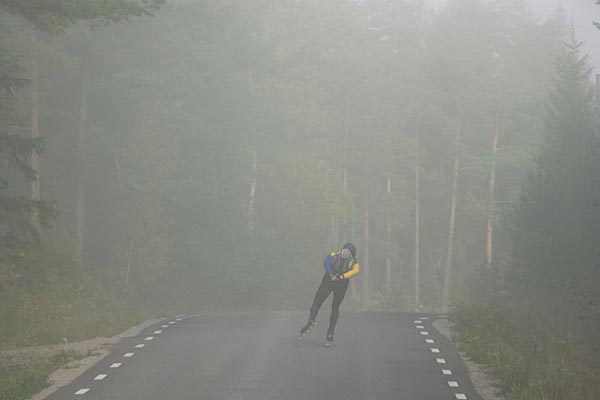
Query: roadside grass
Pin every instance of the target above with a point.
(523, 362)
(63, 312)
(23, 378)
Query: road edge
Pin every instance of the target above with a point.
(481, 381)
(100, 347)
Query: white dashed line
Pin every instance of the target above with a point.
(171, 322)
(139, 346)
(149, 338)
(446, 372)
(116, 365)
(423, 318)
(157, 332)
(178, 319)
(100, 377)
(452, 383)
(128, 355)
(420, 327)
(424, 333)
(434, 350)
(460, 396)
(418, 322)
(430, 341)
(164, 326)
(82, 391)
(440, 361)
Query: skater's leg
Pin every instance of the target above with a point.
(322, 293)
(339, 291)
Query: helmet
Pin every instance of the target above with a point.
(350, 247)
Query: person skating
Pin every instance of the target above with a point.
(339, 266)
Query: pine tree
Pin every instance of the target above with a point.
(555, 229)
(17, 230)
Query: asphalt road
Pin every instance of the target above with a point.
(247, 356)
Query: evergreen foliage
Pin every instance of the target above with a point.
(17, 231)
(556, 221)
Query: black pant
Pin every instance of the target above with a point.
(339, 291)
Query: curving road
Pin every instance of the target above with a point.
(247, 356)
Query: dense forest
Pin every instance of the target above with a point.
(206, 155)
(179, 156)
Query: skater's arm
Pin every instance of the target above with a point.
(329, 263)
(355, 269)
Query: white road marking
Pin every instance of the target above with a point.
(171, 322)
(420, 327)
(82, 391)
(446, 372)
(128, 355)
(434, 350)
(139, 346)
(423, 318)
(116, 365)
(418, 322)
(157, 332)
(424, 333)
(452, 383)
(430, 341)
(149, 338)
(164, 326)
(100, 377)
(440, 361)
(178, 319)
(460, 396)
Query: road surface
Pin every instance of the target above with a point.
(257, 356)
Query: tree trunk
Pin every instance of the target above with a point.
(83, 128)
(417, 256)
(365, 275)
(388, 258)
(251, 202)
(598, 104)
(129, 258)
(35, 126)
(450, 247)
(492, 200)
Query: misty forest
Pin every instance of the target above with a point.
(203, 156)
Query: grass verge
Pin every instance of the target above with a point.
(23, 378)
(525, 361)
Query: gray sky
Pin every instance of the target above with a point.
(585, 11)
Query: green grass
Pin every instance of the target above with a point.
(526, 362)
(22, 379)
(64, 312)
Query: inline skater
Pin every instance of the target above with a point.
(339, 266)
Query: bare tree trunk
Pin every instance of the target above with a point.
(450, 248)
(417, 256)
(83, 129)
(388, 258)
(129, 257)
(35, 126)
(598, 104)
(492, 200)
(365, 274)
(251, 202)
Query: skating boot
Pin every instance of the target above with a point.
(307, 328)
(329, 341)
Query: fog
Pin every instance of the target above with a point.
(204, 156)
(581, 12)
